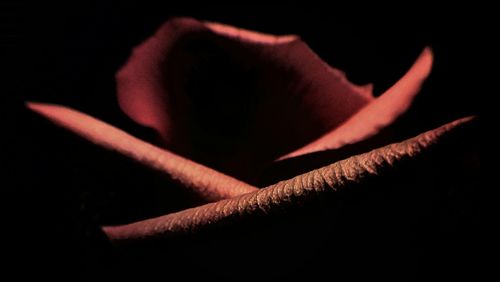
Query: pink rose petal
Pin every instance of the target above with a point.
(210, 185)
(233, 99)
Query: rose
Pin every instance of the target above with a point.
(293, 104)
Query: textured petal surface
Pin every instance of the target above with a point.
(210, 185)
(233, 99)
(285, 195)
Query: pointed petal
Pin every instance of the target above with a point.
(209, 184)
(288, 194)
(378, 114)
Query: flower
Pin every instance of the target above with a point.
(227, 104)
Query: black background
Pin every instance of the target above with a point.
(68, 54)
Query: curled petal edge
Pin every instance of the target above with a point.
(379, 113)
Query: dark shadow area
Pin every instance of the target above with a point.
(58, 189)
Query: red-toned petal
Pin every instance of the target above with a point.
(289, 194)
(231, 98)
(249, 35)
(140, 83)
(378, 114)
(209, 184)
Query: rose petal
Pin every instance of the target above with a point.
(380, 113)
(210, 185)
(231, 98)
(286, 195)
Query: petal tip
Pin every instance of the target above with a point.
(40, 108)
(425, 61)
